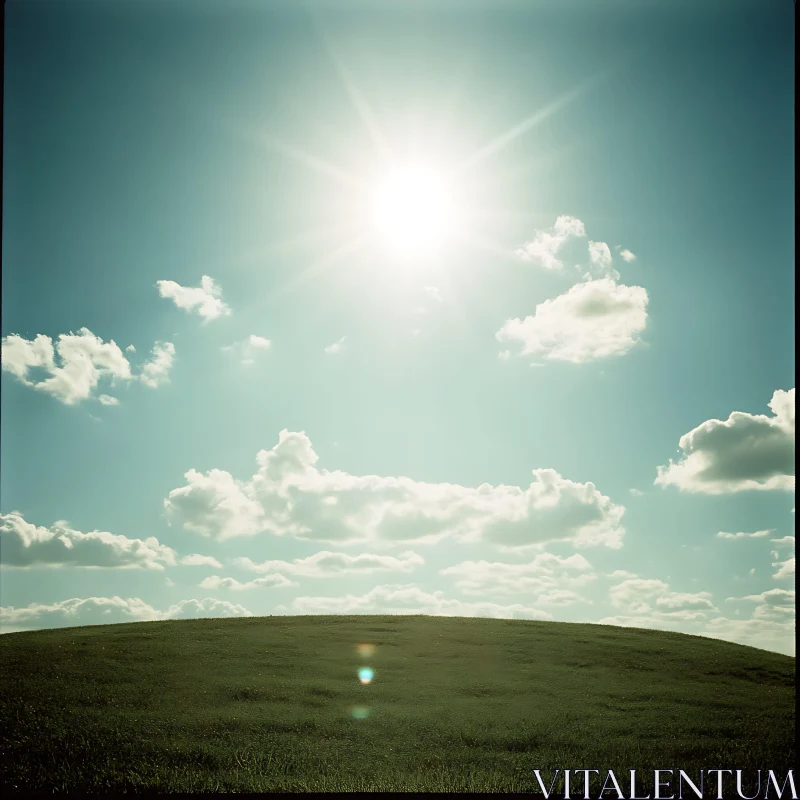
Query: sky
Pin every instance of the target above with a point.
(479, 309)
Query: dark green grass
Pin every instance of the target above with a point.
(264, 704)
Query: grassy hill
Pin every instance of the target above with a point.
(274, 703)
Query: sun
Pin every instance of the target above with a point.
(412, 210)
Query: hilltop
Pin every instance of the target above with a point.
(271, 703)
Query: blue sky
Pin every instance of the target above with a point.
(471, 243)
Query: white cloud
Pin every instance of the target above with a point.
(155, 372)
(267, 582)
(26, 545)
(651, 604)
(636, 492)
(627, 255)
(336, 347)
(785, 569)
(84, 361)
(784, 541)
(248, 349)
(327, 564)
(640, 596)
(774, 605)
(289, 495)
(745, 452)
(205, 300)
(754, 535)
(215, 505)
(197, 560)
(108, 610)
(592, 320)
(545, 574)
(600, 257)
(410, 599)
(546, 244)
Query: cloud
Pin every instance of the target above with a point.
(754, 535)
(785, 569)
(636, 492)
(640, 596)
(600, 257)
(327, 564)
(267, 582)
(215, 505)
(745, 452)
(546, 574)
(108, 610)
(336, 347)
(290, 496)
(410, 599)
(248, 349)
(545, 245)
(594, 319)
(155, 372)
(84, 360)
(784, 541)
(774, 605)
(26, 545)
(651, 604)
(204, 300)
(196, 560)
(627, 255)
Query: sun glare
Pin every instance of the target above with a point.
(412, 210)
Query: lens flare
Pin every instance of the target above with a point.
(365, 650)
(365, 675)
(359, 712)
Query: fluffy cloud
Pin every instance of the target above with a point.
(785, 568)
(650, 604)
(248, 349)
(639, 596)
(546, 244)
(204, 300)
(336, 347)
(107, 610)
(83, 361)
(26, 545)
(410, 599)
(289, 495)
(754, 535)
(627, 255)
(155, 372)
(748, 451)
(600, 258)
(592, 320)
(267, 582)
(327, 564)
(546, 574)
(775, 605)
(196, 560)
(215, 505)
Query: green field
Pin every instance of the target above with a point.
(456, 704)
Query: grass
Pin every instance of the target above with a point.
(266, 704)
